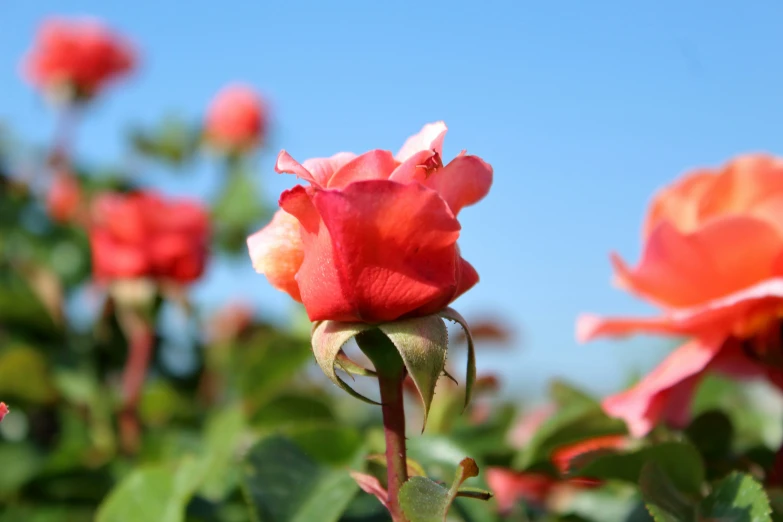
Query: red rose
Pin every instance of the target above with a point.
(141, 235)
(374, 237)
(3, 410)
(236, 119)
(81, 55)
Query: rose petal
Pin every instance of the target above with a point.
(430, 137)
(113, 259)
(322, 291)
(379, 251)
(751, 185)
(376, 164)
(277, 252)
(729, 314)
(665, 393)
(413, 169)
(508, 486)
(678, 204)
(726, 255)
(463, 182)
(317, 171)
(323, 169)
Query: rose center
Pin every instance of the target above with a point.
(766, 345)
(431, 164)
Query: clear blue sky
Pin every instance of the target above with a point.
(583, 109)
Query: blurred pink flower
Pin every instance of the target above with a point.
(539, 489)
(509, 486)
(79, 55)
(713, 262)
(3, 410)
(236, 119)
(143, 235)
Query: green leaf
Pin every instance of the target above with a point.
(439, 455)
(422, 343)
(662, 499)
(712, 433)
(25, 374)
(237, 209)
(157, 493)
(575, 422)
(20, 464)
(423, 500)
(292, 408)
(223, 434)
(470, 375)
(736, 498)
(680, 461)
(20, 307)
(172, 141)
(265, 363)
(326, 443)
(283, 484)
(48, 513)
(238, 204)
(161, 402)
(328, 339)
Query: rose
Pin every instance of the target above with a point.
(236, 119)
(142, 235)
(80, 56)
(374, 237)
(713, 261)
(3, 410)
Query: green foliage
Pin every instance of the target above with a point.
(283, 484)
(423, 500)
(579, 418)
(154, 493)
(680, 461)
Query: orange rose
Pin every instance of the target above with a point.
(713, 262)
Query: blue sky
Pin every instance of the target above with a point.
(583, 109)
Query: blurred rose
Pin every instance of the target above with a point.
(713, 262)
(142, 235)
(80, 56)
(3, 410)
(64, 198)
(509, 487)
(543, 490)
(377, 232)
(236, 119)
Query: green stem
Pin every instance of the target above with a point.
(391, 375)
